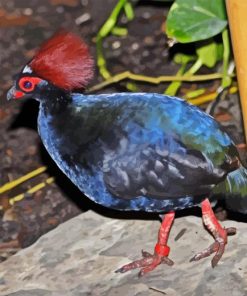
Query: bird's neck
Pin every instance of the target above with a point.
(70, 119)
(56, 101)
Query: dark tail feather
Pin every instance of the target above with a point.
(235, 190)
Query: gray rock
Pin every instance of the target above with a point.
(79, 258)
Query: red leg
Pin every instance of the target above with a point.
(219, 233)
(161, 250)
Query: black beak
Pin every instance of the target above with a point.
(15, 94)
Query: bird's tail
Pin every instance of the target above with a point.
(234, 188)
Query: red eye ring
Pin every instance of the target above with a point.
(28, 84)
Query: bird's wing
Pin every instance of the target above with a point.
(160, 170)
(167, 149)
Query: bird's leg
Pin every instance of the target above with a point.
(161, 250)
(219, 233)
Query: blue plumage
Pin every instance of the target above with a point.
(102, 142)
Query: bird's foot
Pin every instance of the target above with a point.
(218, 247)
(148, 262)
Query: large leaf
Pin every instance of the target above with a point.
(193, 20)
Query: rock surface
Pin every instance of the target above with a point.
(79, 258)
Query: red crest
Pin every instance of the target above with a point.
(64, 60)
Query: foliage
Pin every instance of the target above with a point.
(196, 21)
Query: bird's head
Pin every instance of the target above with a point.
(61, 65)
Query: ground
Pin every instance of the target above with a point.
(24, 25)
(85, 261)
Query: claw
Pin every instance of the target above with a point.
(167, 261)
(217, 247)
(147, 263)
(155, 263)
(161, 251)
(220, 234)
(146, 254)
(231, 230)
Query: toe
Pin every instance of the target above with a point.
(146, 260)
(147, 269)
(220, 248)
(205, 253)
(167, 261)
(146, 254)
(147, 263)
(231, 231)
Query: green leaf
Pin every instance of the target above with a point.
(209, 53)
(183, 59)
(193, 20)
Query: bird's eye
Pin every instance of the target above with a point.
(27, 84)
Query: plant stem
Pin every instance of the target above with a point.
(172, 89)
(103, 32)
(111, 21)
(194, 93)
(129, 11)
(22, 179)
(195, 67)
(206, 98)
(154, 80)
(174, 86)
(119, 31)
(32, 190)
(226, 80)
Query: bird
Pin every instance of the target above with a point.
(126, 151)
